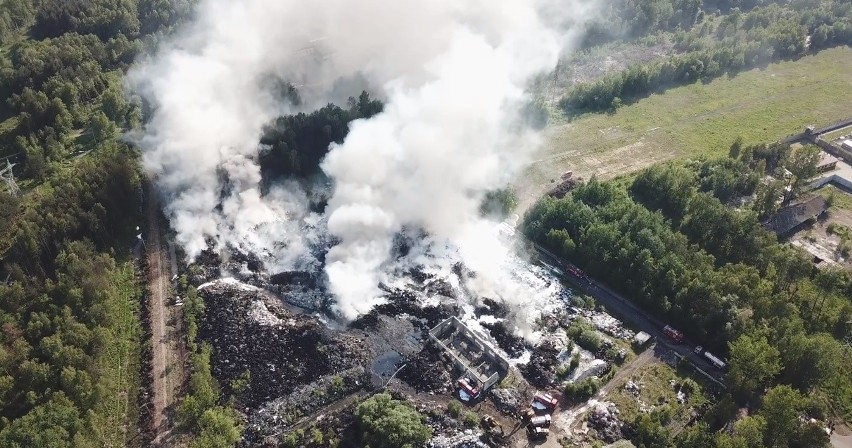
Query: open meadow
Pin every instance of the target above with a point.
(761, 105)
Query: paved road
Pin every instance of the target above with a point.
(627, 311)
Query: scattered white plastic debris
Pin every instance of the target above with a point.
(523, 359)
(261, 314)
(228, 281)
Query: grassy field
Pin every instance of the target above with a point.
(761, 105)
(657, 387)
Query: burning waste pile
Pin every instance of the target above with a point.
(300, 360)
(303, 361)
(324, 257)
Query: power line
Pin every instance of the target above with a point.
(9, 177)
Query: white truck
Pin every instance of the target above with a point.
(711, 357)
(715, 361)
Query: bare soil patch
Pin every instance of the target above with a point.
(168, 351)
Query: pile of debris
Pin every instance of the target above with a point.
(633, 388)
(277, 416)
(682, 391)
(282, 351)
(595, 368)
(605, 323)
(400, 302)
(540, 371)
(514, 345)
(428, 370)
(603, 419)
(491, 307)
(468, 439)
(563, 188)
(207, 267)
(243, 262)
(507, 401)
(300, 288)
(338, 424)
(439, 287)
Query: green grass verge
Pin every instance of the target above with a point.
(829, 136)
(840, 199)
(761, 105)
(113, 422)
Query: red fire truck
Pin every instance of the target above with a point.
(673, 334)
(576, 272)
(549, 401)
(466, 385)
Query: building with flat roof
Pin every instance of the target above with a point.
(641, 339)
(827, 162)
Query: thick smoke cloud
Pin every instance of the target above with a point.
(452, 74)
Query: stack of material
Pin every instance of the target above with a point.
(507, 401)
(604, 420)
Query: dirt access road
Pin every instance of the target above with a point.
(645, 358)
(166, 332)
(568, 421)
(625, 310)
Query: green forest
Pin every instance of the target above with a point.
(669, 241)
(71, 343)
(708, 42)
(73, 348)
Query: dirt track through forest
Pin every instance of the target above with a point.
(167, 362)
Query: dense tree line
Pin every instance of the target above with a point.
(15, 15)
(61, 305)
(634, 19)
(70, 340)
(670, 244)
(298, 143)
(739, 41)
(629, 19)
(780, 420)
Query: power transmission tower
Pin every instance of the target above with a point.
(9, 177)
(848, 338)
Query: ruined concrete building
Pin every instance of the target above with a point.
(470, 353)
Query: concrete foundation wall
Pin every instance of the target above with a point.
(835, 179)
(490, 365)
(834, 150)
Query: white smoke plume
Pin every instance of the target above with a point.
(452, 74)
